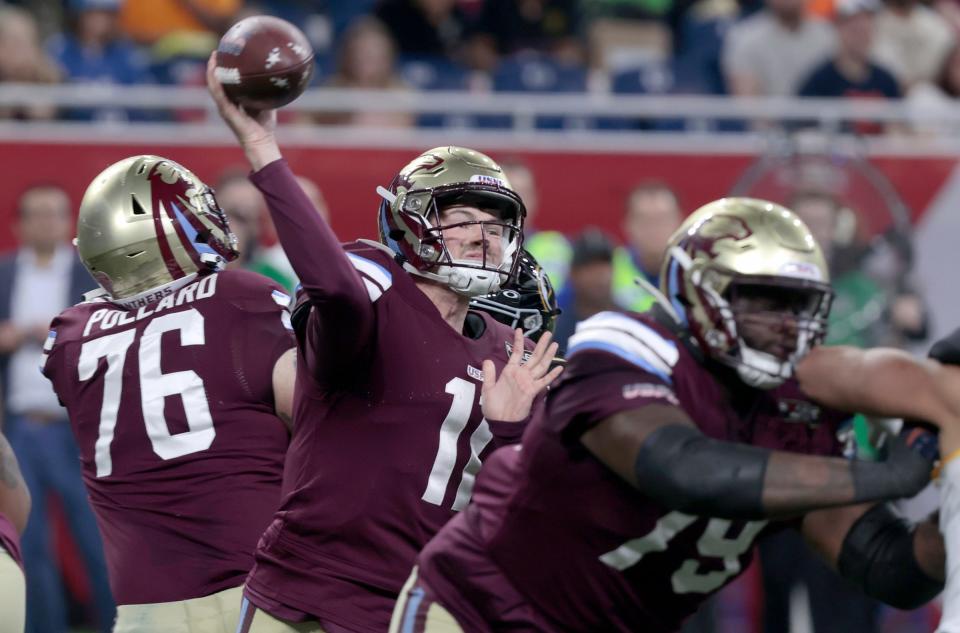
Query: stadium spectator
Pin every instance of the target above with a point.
(550, 248)
(41, 278)
(149, 21)
(180, 34)
(506, 27)
(14, 509)
(367, 61)
(590, 285)
(424, 27)
(245, 208)
(851, 73)
(271, 261)
(912, 41)
(864, 313)
(652, 214)
(23, 60)
(772, 51)
(928, 98)
(93, 50)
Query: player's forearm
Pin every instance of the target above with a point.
(891, 560)
(261, 154)
(882, 382)
(687, 471)
(309, 243)
(14, 496)
(794, 484)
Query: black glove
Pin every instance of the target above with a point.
(904, 473)
(947, 349)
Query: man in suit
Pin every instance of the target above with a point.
(38, 280)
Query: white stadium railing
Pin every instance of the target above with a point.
(920, 129)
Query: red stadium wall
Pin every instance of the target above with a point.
(576, 189)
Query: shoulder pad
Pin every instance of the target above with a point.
(629, 338)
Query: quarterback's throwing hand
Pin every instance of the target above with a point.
(254, 130)
(508, 398)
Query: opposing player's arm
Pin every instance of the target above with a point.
(284, 378)
(659, 450)
(892, 560)
(14, 496)
(327, 275)
(882, 381)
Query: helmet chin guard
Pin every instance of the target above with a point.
(467, 281)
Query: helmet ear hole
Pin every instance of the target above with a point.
(137, 207)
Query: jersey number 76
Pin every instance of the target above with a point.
(155, 387)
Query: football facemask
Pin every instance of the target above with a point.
(528, 302)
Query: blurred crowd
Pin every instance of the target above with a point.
(883, 49)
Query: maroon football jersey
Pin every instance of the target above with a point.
(182, 453)
(10, 539)
(389, 432)
(555, 541)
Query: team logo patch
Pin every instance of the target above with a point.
(801, 270)
(475, 373)
(51, 339)
(799, 411)
(488, 180)
(647, 390)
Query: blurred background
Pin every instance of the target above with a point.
(613, 118)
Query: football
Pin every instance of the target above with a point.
(264, 62)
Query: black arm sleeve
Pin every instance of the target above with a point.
(877, 554)
(685, 470)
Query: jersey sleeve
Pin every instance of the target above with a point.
(53, 354)
(333, 284)
(262, 333)
(615, 364)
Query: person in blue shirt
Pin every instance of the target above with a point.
(851, 73)
(93, 50)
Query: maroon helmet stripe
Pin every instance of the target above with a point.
(165, 251)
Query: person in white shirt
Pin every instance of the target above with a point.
(38, 280)
(772, 51)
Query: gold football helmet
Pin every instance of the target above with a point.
(147, 222)
(739, 264)
(410, 222)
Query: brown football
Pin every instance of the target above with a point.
(264, 62)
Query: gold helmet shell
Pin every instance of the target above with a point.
(410, 222)
(745, 242)
(146, 222)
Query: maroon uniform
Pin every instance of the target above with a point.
(182, 453)
(555, 541)
(389, 431)
(10, 540)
